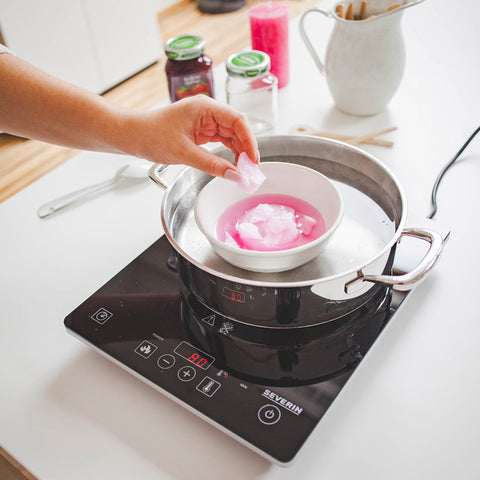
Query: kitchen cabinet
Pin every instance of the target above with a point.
(93, 44)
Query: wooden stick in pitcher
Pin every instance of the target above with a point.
(363, 10)
(349, 14)
(393, 7)
(339, 11)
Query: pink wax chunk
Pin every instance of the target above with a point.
(270, 222)
(306, 224)
(252, 177)
(229, 240)
(271, 226)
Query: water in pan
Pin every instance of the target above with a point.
(364, 231)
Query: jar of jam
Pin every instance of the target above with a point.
(188, 69)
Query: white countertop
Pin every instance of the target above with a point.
(410, 411)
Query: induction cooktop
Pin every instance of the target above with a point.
(135, 320)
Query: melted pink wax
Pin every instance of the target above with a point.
(234, 227)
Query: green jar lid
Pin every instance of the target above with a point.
(248, 64)
(184, 47)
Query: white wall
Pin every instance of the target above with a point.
(92, 43)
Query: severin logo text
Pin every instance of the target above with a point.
(283, 402)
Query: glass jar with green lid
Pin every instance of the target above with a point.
(252, 89)
(188, 69)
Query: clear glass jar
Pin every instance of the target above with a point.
(252, 89)
(188, 69)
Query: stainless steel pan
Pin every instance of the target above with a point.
(357, 257)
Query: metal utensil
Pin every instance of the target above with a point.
(132, 170)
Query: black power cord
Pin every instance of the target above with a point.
(444, 170)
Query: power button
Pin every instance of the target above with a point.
(269, 414)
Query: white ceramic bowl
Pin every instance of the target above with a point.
(281, 178)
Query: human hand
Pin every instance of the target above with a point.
(37, 105)
(172, 135)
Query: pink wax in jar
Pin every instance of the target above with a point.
(269, 31)
(270, 222)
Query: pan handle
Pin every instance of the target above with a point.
(154, 174)
(411, 279)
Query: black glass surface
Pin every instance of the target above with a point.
(136, 320)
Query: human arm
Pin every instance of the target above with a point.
(37, 105)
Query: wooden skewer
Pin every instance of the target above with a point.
(369, 135)
(363, 10)
(365, 139)
(393, 7)
(349, 14)
(339, 11)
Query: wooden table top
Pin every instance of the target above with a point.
(23, 161)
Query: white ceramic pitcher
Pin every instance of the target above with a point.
(365, 59)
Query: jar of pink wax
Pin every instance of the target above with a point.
(269, 32)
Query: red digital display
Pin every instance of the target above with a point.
(194, 355)
(234, 295)
(198, 360)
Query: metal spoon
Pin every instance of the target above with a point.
(132, 170)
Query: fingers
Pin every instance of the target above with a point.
(218, 122)
(208, 162)
(234, 131)
(173, 134)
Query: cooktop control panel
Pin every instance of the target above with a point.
(258, 415)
